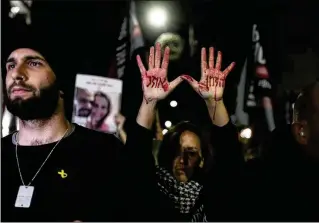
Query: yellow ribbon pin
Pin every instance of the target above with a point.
(62, 174)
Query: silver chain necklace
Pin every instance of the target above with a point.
(42, 163)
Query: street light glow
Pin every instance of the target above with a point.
(157, 17)
(168, 124)
(173, 104)
(246, 133)
(15, 9)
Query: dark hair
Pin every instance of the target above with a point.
(101, 94)
(171, 144)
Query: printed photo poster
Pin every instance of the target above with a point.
(96, 101)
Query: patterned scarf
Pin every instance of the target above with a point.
(183, 195)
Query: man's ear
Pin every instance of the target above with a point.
(300, 132)
(201, 164)
(61, 94)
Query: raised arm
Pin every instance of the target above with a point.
(155, 84)
(211, 89)
(139, 137)
(222, 185)
(211, 86)
(120, 120)
(155, 88)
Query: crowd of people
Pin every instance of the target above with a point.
(54, 170)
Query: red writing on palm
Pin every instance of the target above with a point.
(154, 80)
(212, 82)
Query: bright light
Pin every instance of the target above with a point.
(164, 131)
(18, 125)
(157, 17)
(6, 121)
(173, 104)
(15, 9)
(246, 133)
(168, 124)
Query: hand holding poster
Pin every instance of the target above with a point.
(96, 102)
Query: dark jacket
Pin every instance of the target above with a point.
(283, 184)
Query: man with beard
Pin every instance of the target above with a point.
(53, 170)
(83, 102)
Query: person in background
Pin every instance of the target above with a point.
(83, 102)
(186, 191)
(120, 120)
(305, 125)
(101, 108)
(283, 184)
(53, 170)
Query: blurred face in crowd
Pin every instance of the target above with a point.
(100, 108)
(174, 41)
(313, 122)
(84, 103)
(31, 89)
(306, 120)
(188, 157)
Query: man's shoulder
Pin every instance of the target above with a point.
(7, 144)
(7, 139)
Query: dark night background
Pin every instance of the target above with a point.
(84, 36)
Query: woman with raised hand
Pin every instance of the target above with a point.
(187, 189)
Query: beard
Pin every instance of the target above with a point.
(37, 107)
(84, 112)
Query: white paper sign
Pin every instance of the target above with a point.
(96, 101)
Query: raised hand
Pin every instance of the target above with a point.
(212, 83)
(154, 80)
(119, 120)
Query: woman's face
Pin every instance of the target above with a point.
(188, 156)
(100, 108)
